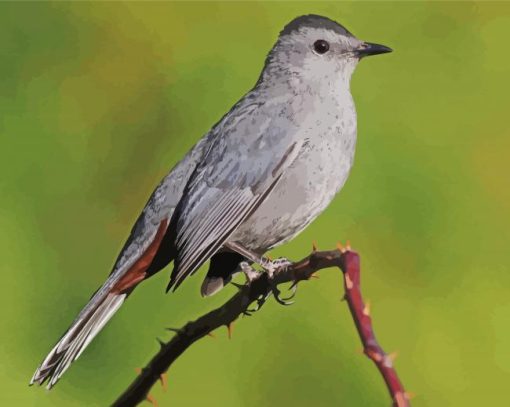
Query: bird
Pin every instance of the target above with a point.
(254, 181)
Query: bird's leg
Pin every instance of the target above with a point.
(250, 273)
(249, 254)
(270, 266)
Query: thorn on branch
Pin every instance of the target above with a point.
(366, 309)
(152, 400)
(390, 358)
(409, 395)
(348, 246)
(230, 328)
(164, 382)
(177, 331)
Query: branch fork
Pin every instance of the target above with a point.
(257, 289)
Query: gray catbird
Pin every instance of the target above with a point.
(266, 170)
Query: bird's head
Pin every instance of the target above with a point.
(316, 48)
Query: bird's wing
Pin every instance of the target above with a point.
(157, 214)
(233, 180)
(147, 234)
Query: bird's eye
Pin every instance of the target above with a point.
(321, 46)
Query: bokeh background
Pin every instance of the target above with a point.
(99, 100)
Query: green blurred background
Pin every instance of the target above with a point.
(98, 101)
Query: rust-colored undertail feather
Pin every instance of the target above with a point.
(101, 307)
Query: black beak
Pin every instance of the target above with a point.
(368, 49)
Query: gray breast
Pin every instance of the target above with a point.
(310, 184)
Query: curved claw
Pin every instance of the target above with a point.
(283, 301)
(260, 302)
(293, 291)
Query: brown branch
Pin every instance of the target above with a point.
(346, 260)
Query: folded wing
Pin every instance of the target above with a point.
(228, 187)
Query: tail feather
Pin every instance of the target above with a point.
(88, 324)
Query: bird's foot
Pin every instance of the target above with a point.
(272, 267)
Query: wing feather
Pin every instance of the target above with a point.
(210, 214)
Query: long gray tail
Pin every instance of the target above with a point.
(85, 327)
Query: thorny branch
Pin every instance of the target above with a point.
(258, 290)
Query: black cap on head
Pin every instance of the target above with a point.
(314, 21)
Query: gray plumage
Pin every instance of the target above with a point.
(266, 170)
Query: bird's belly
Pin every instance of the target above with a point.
(304, 191)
